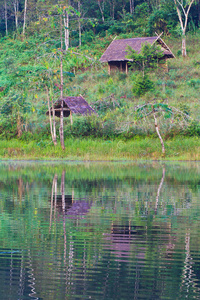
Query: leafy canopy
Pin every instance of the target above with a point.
(148, 57)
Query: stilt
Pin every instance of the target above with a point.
(109, 69)
(71, 120)
(126, 68)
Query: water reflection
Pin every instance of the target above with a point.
(99, 231)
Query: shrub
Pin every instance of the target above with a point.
(142, 85)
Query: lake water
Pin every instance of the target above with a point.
(99, 230)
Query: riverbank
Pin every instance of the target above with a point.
(178, 148)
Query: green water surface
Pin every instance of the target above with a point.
(99, 230)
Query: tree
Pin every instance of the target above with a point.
(184, 6)
(101, 8)
(61, 82)
(6, 16)
(131, 6)
(158, 110)
(25, 9)
(148, 57)
(16, 12)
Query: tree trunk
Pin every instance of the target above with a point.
(183, 23)
(79, 22)
(199, 13)
(25, 9)
(101, 10)
(159, 189)
(184, 53)
(66, 30)
(63, 191)
(131, 6)
(113, 9)
(19, 126)
(6, 16)
(61, 89)
(158, 133)
(53, 132)
(16, 11)
(54, 121)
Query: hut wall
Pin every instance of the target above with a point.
(114, 66)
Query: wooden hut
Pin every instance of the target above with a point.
(115, 54)
(75, 105)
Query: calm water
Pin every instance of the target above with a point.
(99, 231)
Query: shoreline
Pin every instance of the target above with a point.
(98, 150)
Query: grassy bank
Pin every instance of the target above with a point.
(98, 149)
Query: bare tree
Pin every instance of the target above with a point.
(157, 131)
(52, 125)
(6, 16)
(79, 21)
(183, 6)
(16, 12)
(25, 10)
(101, 4)
(66, 29)
(112, 8)
(61, 86)
(132, 6)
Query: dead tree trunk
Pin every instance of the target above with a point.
(25, 9)
(16, 12)
(79, 22)
(158, 133)
(61, 88)
(183, 22)
(54, 121)
(101, 9)
(131, 6)
(52, 128)
(66, 29)
(6, 16)
(159, 189)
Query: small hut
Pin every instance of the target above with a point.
(115, 54)
(75, 105)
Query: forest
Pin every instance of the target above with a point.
(51, 49)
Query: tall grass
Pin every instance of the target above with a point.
(98, 149)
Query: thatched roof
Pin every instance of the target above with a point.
(77, 105)
(117, 50)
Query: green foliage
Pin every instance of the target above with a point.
(149, 56)
(142, 85)
(195, 83)
(193, 129)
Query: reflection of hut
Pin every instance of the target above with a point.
(78, 209)
(68, 202)
(71, 208)
(120, 239)
(75, 105)
(115, 54)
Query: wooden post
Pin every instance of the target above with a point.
(126, 68)
(71, 120)
(109, 69)
(166, 64)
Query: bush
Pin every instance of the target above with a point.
(193, 129)
(142, 85)
(85, 126)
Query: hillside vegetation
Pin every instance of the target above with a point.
(30, 65)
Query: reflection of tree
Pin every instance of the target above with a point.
(31, 276)
(159, 189)
(67, 250)
(188, 275)
(53, 199)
